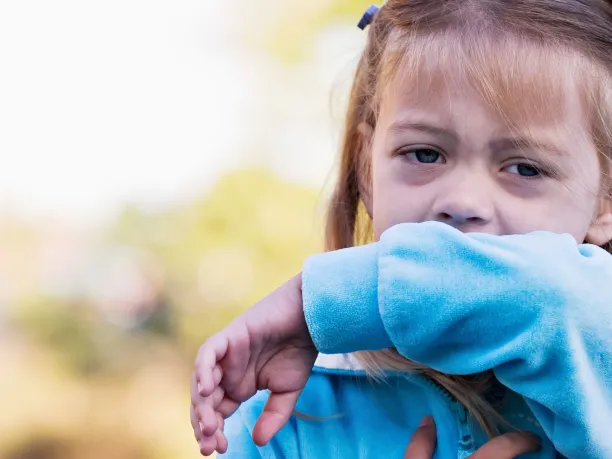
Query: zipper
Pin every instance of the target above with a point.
(466, 437)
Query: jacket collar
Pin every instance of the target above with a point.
(338, 363)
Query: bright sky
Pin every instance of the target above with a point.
(142, 100)
(113, 100)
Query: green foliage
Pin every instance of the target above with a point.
(218, 254)
(63, 328)
(225, 250)
(83, 342)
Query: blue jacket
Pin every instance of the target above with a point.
(535, 308)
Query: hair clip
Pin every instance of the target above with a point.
(368, 17)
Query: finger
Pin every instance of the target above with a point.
(217, 375)
(240, 353)
(205, 411)
(193, 390)
(220, 436)
(208, 446)
(227, 407)
(208, 421)
(423, 441)
(220, 422)
(508, 446)
(197, 429)
(275, 415)
(221, 442)
(214, 399)
(211, 352)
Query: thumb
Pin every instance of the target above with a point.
(275, 415)
(423, 441)
(508, 446)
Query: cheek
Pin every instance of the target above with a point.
(577, 214)
(394, 202)
(563, 212)
(386, 198)
(578, 203)
(581, 207)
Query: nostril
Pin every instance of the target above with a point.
(459, 219)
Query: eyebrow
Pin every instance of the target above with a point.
(513, 143)
(508, 143)
(400, 126)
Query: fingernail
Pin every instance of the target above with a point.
(426, 421)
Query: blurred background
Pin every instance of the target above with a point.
(164, 165)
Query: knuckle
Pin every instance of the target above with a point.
(200, 354)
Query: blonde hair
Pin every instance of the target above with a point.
(510, 52)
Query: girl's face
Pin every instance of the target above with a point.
(445, 155)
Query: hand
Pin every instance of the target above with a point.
(267, 347)
(507, 446)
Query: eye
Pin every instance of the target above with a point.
(525, 170)
(425, 155)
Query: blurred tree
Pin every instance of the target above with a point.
(67, 329)
(211, 258)
(225, 250)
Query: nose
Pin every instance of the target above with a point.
(467, 200)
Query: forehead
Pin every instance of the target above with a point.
(455, 105)
(523, 85)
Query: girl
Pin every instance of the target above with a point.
(476, 156)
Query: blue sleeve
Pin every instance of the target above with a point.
(535, 308)
(240, 442)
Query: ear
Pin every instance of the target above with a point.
(600, 232)
(367, 132)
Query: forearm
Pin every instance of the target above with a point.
(462, 304)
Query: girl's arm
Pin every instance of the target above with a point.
(536, 308)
